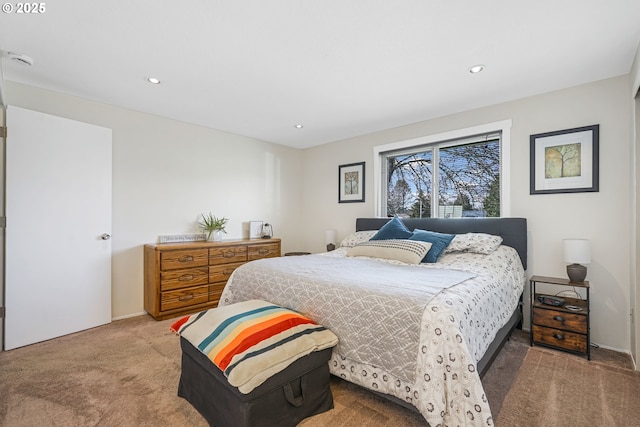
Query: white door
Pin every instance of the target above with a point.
(58, 208)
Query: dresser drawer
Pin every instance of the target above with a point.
(227, 254)
(171, 260)
(176, 279)
(559, 338)
(184, 297)
(215, 292)
(221, 273)
(560, 320)
(264, 251)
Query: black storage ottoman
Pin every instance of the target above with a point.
(299, 391)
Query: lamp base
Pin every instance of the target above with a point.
(330, 247)
(576, 272)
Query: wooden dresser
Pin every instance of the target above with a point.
(182, 278)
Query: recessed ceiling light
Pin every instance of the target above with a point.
(298, 126)
(153, 80)
(476, 69)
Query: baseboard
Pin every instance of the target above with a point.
(127, 316)
(612, 348)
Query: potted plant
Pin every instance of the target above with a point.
(213, 226)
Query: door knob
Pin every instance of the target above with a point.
(105, 236)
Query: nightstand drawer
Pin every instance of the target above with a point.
(184, 297)
(560, 320)
(559, 338)
(176, 279)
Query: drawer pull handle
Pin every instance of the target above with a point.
(185, 297)
(263, 252)
(185, 277)
(227, 272)
(558, 336)
(186, 258)
(228, 254)
(558, 318)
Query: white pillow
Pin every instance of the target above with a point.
(479, 243)
(358, 237)
(403, 250)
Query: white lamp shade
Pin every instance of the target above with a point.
(330, 237)
(577, 251)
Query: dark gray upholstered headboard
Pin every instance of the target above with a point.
(512, 230)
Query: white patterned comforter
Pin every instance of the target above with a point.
(422, 341)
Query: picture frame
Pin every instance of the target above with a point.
(351, 183)
(565, 161)
(255, 229)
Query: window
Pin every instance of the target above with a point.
(448, 176)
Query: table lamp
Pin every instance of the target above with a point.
(576, 253)
(330, 239)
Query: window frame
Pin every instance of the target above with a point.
(504, 127)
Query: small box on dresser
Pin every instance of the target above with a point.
(182, 278)
(560, 327)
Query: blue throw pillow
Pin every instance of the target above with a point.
(439, 242)
(394, 229)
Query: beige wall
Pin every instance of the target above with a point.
(166, 172)
(603, 217)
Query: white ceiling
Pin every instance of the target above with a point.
(341, 68)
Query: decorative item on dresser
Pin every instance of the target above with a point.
(181, 278)
(255, 229)
(560, 323)
(267, 231)
(213, 226)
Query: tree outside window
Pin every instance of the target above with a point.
(468, 180)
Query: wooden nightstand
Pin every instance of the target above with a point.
(560, 327)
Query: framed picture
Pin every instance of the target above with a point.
(351, 183)
(255, 229)
(565, 161)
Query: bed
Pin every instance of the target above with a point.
(421, 334)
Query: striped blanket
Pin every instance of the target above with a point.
(253, 340)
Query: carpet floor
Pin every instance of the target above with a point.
(569, 391)
(126, 374)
